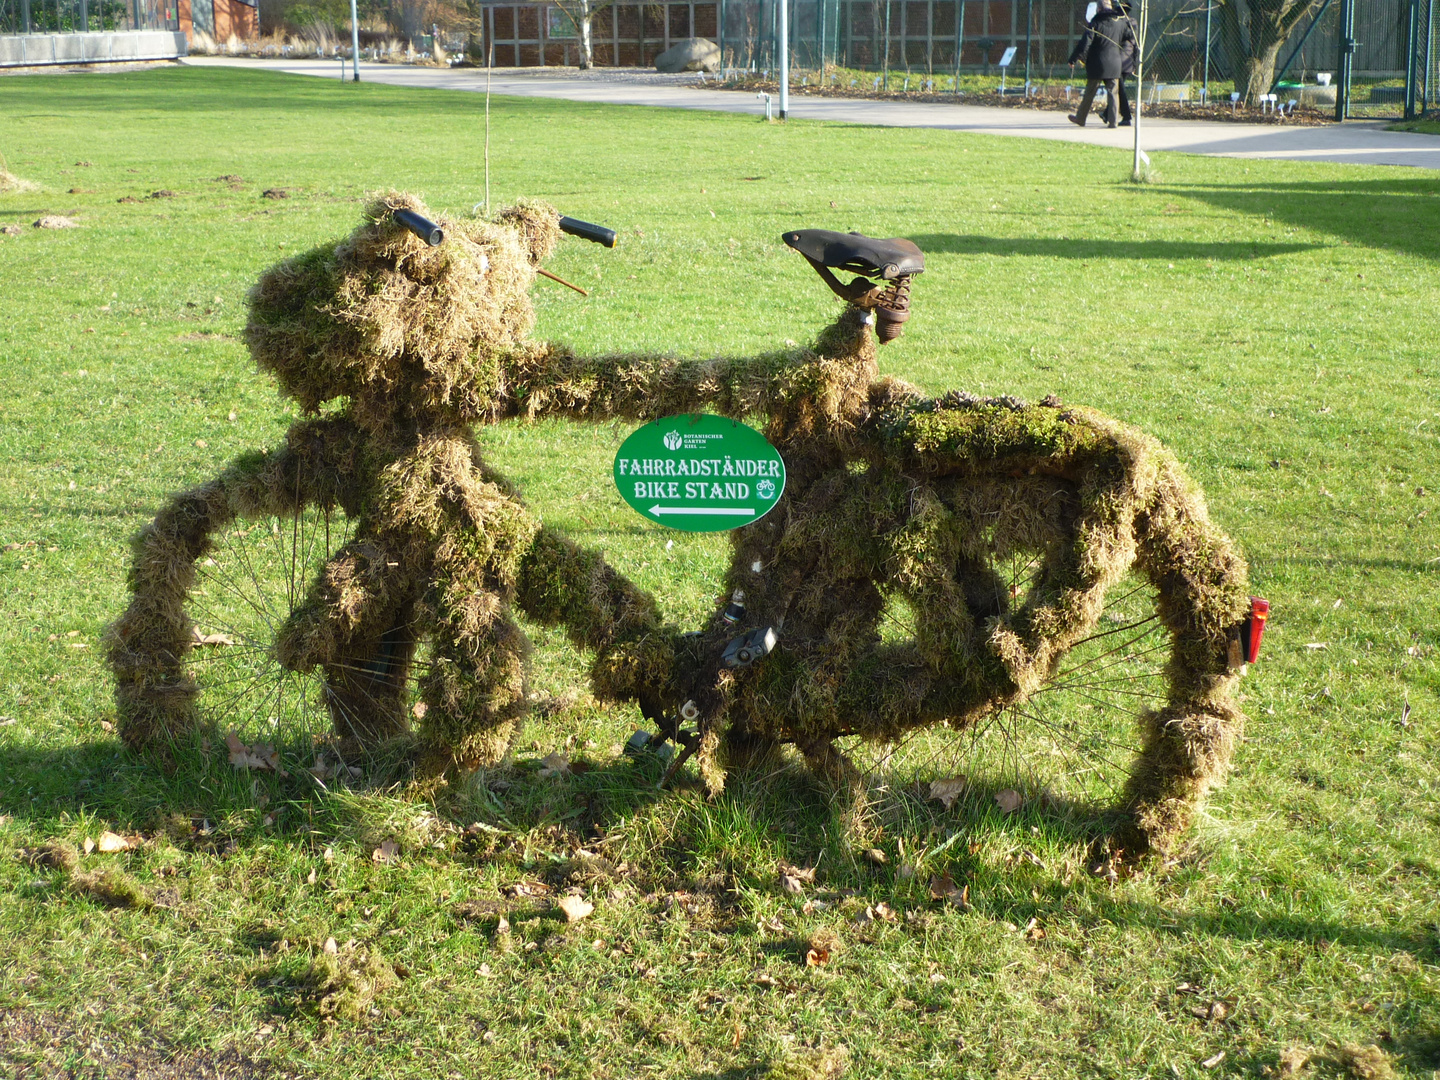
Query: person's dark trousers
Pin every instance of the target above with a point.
(1091, 86)
(1124, 99)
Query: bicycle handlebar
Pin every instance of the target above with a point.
(598, 234)
(422, 227)
(433, 235)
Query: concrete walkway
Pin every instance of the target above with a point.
(1356, 142)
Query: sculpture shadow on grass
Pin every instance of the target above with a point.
(1092, 250)
(44, 788)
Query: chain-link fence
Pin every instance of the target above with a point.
(1196, 50)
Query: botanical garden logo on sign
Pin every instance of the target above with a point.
(699, 473)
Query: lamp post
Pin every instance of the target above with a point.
(355, 41)
(784, 58)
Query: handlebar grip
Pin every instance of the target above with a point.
(422, 227)
(598, 234)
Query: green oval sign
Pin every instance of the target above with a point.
(699, 473)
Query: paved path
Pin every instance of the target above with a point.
(1357, 142)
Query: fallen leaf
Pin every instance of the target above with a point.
(885, 912)
(817, 957)
(574, 907)
(502, 926)
(944, 888)
(89, 845)
(197, 638)
(1009, 800)
(1211, 1062)
(875, 856)
(1317, 645)
(312, 877)
(386, 852)
(110, 842)
(328, 855)
(241, 755)
(1034, 931)
(793, 878)
(554, 765)
(419, 709)
(331, 947)
(948, 790)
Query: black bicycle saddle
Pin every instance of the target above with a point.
(857, 253)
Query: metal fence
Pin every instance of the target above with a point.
(1195, 50)
(78, 16)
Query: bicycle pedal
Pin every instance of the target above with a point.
(644, 743)
(749, 647)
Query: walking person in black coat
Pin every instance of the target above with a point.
(1127, 68)
(1102, 47)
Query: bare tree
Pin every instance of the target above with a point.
(1254, 31)
(582, 14)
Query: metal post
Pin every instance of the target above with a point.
(85, 16)
(959, 42)
(1347, 58)
(1029, 21)
(820, 8)
(784, 28)
(719, 34)
(1412, 47)
(1430, 65)
(354, 42)
(885, 64)
(1209, 7)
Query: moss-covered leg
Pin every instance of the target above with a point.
(474, 694)
(636, 657)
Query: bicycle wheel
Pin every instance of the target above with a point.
(1108, 604)
(1024, 601)
(219, 580)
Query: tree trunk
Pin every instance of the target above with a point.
(587, 47)
(1253, 36)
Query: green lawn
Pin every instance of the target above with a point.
(1274, 323)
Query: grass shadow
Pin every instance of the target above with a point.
(1391, 212)
(1092, 249)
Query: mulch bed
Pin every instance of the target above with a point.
(1048, 101)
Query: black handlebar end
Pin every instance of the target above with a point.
(422, 227)
(598, 234)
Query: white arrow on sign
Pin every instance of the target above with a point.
(738, 511)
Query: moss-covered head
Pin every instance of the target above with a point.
(407, 332)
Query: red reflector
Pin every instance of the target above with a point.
(1253, 629)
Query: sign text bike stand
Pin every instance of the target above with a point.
(699, 473)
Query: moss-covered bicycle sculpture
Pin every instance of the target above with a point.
(1034, 587)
